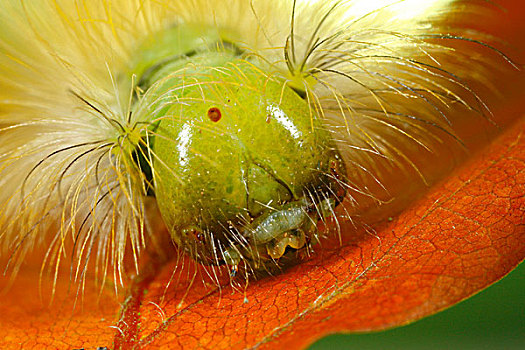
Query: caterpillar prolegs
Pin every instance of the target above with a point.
(246, 122)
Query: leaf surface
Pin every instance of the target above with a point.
(461, 237)
(464, 235)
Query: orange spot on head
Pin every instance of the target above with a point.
(214, 114)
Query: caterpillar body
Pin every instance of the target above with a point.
(246, 123)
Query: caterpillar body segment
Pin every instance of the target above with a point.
(245, 122)
(240, 163)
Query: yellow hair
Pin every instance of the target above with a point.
(391, 79)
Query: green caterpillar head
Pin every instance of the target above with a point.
(242, 167)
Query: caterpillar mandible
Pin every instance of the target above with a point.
(246, 123)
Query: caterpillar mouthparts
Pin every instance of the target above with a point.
(242, 167)
(246, 123)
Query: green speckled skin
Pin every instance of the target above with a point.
(214, 178)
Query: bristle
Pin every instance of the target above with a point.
(390, 78)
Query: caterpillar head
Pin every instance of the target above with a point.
(242, 167)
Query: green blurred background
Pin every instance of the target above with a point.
(492, 319)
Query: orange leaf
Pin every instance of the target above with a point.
(463, 236)
(460, 238)
(28, 322)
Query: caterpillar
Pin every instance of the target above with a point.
(246, 124)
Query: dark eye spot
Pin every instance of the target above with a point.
(333, 166)
(200, 237)
(214, 114)
(194, 234)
